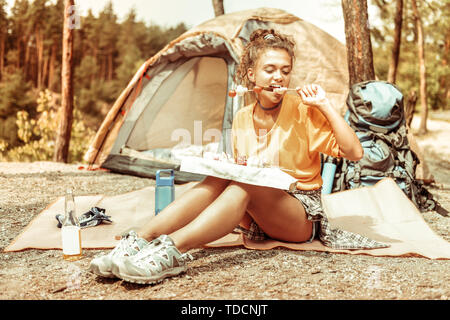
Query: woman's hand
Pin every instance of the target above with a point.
(350, 147)
(313, 95)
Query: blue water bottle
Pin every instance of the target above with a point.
(328, 172)
(165, 190)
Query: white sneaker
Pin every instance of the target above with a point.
(128, 246)
(151, 265)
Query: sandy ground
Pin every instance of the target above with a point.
(224, 274)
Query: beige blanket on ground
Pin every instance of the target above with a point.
(381, 212)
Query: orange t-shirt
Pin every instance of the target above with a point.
(294, 143)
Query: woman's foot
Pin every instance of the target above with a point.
(128, 246)
(151, 265)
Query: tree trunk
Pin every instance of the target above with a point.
(102, 68)
(218, 7)
(357, 36)
(422, 69)
(66, 114)
(443, 83)
(51, 69)
(2, 54)
(40, 56)
(410, 106)
(27, 70)
(45, 70)
(19, 48)
(95, 55)
(110, 65)
(392, 73)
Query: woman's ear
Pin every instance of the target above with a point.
(250, 75)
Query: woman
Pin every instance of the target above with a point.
(291, 132)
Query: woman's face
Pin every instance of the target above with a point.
(273, 68)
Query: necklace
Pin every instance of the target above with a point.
(271, 108)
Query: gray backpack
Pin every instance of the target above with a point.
(375, 112)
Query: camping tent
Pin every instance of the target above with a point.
(177, 102)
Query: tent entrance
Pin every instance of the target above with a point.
(192, 112)
(183, 114)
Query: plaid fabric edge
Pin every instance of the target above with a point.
(253, 233)
(334, 238)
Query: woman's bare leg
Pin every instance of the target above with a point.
(184, 209)
(217, 220)
(277, 213)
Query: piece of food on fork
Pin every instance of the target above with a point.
(241, 90)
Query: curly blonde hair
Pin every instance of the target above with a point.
(260, 41)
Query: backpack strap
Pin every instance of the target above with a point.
(339, 177)
(442, 211)
(356, 174)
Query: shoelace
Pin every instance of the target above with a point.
(148, 250)
(187, 256)
(125, 243)
(153, 261)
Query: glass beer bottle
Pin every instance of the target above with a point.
(70, 230)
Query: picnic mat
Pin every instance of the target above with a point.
(381, 212)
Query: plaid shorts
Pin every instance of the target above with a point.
(331, 237)
(312, 203)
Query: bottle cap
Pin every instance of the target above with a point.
(165, 181)
(330, 159)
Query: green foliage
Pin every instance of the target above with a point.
(3, 19)
(8, 132)
(102, 41)
(107, 53)
(130, 63)
(86, 72)
(434, 15)
(91, 100)
(38, 134)
(14, 96)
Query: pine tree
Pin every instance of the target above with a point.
(437, 44)
(53, 45)
(358, 42)
(19, 28)
(422, 68)
(218, 7)
(14, 97)
(107, 44)
(392, 73)
(105, 56)
(130, 57)
(38, 16)
(87, 43)
(4, 25)
(66, 116)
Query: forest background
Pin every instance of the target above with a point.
(108, 52)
